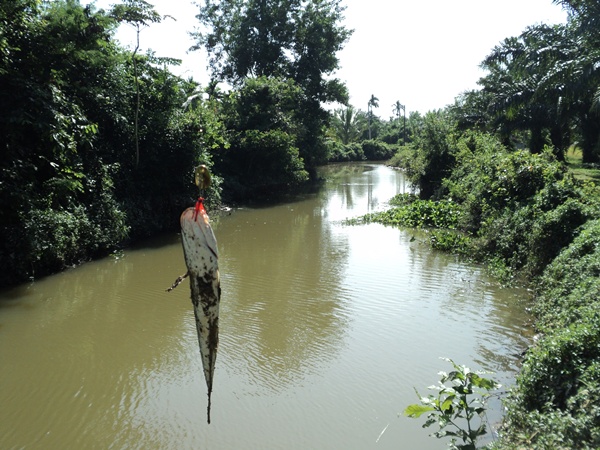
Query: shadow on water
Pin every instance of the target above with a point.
(157, 242)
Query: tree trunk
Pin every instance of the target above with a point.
(590, 137)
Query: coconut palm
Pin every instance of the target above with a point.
(373, 103)
(348, 124)
(398, 107)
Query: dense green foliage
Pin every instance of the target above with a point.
(282, 39)
(261, 154)
(416, 213)
(350, 129)
(339, 152)
(559, 387)
(526, 214)
(520, 207)
(55, 192)
(70, 186)
(100, 142)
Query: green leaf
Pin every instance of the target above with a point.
(447, 404)
(484, 383)
(415, 411)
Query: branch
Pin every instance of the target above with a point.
(178, 281)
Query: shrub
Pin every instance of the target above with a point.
(571, 279)
(553, 231)
(262, 162)
(558, 388)
(434, 154)
(348, 152)
(402, 199)
(523, 209)
(488, 178)
(419, 214)
(550, 429)
(557, 402)
(555, 366)
(375, 150)
(57, 238)
(354, 152)
(450, 241)
(402, 157)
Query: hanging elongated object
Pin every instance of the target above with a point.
(202, 261)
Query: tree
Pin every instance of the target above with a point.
(262, 126)
(372, 103)
(348, 124)
(398, 108)
(69, 189)
(140, 14)
(545, 81)
(414, 125)
(583, 71)
(290, 39)
(586, 13)
(56, 195)
(434, 153)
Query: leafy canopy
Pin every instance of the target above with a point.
(282, 38)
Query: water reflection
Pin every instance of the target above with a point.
(281, 278)
(357, 189)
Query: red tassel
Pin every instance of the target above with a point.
(199, 208)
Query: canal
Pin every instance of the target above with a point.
(326, 329)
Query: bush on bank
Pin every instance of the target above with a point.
(528, 215)
(339, 152)
(559, 387)
(372, 150)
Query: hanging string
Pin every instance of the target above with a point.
(202, 180)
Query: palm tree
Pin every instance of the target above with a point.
(521, 98)
(586, 14)
(544, 81)
(397, 108)
(347, 123)
(373, 103)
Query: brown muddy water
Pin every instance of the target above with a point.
(326, 329)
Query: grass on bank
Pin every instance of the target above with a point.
(580, 170)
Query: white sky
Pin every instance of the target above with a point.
(423, 53)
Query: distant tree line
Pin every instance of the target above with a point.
(540, 88)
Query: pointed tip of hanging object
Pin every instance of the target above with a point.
(208, 410)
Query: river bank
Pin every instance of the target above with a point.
(526, 215)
